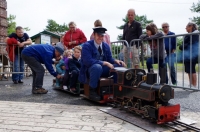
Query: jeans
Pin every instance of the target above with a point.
(170, 61)
(96, 71)
(161, 63)
(74, 78)
(37, 71)
(18, 66)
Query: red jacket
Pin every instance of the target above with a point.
(11, 48)
(77, 36)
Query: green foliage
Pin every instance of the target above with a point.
(53, 26)
(116, 50)
(196, 8)
(142, 19)
(12, 24)
(179, 41)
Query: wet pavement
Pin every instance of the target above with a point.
(22, 93)
(19, 108)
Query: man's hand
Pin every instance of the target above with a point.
(173, 50)
(56, 62)
(58, 76)
(73, 42)
(21, 44)
(120, 63)
(108, 64)
(70, 43)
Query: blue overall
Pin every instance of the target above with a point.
(92, 67)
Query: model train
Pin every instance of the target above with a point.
(138, 92)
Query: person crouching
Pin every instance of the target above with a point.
(35, 56)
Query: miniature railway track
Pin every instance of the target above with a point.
(178, 126)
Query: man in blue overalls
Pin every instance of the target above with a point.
(96, 61)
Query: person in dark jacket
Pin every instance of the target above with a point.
(96, 61)
(158, 54)
(36, 54)
(14, 52)
(132, 30)
(170, 47)
(74, 68)
(190, 48)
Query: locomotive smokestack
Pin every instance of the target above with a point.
(163, 74)
(151, 77)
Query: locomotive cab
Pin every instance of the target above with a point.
(104, 89)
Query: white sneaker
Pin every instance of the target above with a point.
(192, 86)
(65, 87)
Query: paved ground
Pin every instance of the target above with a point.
(22, 111)
(43, 117)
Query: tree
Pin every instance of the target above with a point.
(142, 19)
(196, 8)
(53, 26)
(12, 24)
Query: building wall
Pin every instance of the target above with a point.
(37, 40)
(54, 40)
(3, 21)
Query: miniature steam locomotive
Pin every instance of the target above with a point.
(139, 92)
(144, 96)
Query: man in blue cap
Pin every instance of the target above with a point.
(36, 54)
(96, 60)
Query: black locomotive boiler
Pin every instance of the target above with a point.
(140, 93)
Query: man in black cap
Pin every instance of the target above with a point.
(96, 60)
(36, 54)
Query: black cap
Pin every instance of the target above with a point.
(100, 30)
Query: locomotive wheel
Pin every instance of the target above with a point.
(129, 76)
(136, 106)
(146, 114)
(129, 105)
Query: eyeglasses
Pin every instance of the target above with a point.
(165, 26)
(71, 27)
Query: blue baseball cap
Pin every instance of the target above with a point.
(59, 49)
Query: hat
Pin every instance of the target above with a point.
(100, 30)
(59, 49)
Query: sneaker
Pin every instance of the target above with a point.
(39, 91)
(15, 82)
(73, 90)
(20, 81)
(175, 84)
(192, 86)
(93, 94)
(65, 87)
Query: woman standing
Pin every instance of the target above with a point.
(74, 36)
(190, 52)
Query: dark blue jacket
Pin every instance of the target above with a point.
(190, 47)
(170, 43)
(43, 53)
(89, 55)
(74, 64)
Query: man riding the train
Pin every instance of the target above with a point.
(96, 60)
